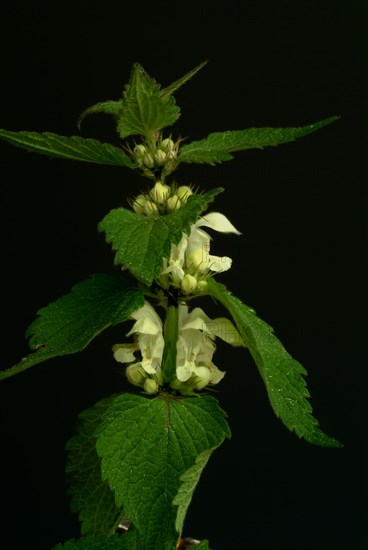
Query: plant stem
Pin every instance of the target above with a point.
(170, 336)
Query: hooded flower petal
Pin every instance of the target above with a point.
(218, 222)
(124, 353)
(220, 327)
(150, 343)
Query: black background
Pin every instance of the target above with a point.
(299, 262)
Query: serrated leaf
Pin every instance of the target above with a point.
(218, 145)
(73, 148)
(145, 109)
(91, 497)
(189, 481)
(106, 107)
(126, 541)
(282, 375)
(141, 242)
(71, 322)
(178, 83)
(146, 445)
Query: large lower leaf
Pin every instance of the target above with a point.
(71, 322)
(189, 481)
(218, 146)
(141, 242)
(91, 497)
(282, 375)
(74, 147)
(126, 541)
(146, 445)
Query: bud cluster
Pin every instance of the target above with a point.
(156, 158)
(161, 199)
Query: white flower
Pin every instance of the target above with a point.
(192, 254)
(195, 348)
(150, 343)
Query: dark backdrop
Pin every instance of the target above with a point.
(299, 262)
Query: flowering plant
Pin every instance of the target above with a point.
(137, 457)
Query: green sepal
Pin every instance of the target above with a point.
(218, 146)
(283, 376)
(146, 445)
(73, 148)
(126, 541)
(145, 109)
(141, 242)
(90, 497)
(69, 324)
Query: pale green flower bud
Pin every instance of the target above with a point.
(135, 375)
(160, 192)
(148, 161)
(160, 157)
(184, 192)
(203, 376)
(140, 150)
(150, 385)
(202, 286)
(139, 204)
(150, 208)
(188, 283)
(167, 145)
(173, 203)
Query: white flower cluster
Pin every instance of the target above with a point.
(190, 261)
(162, 199)
(194, 349)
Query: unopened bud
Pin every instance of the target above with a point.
(160, 157)
(159, 192)
(140, 150)
(139, 204)
(184, 192)
(173, 203)
(167, 145)
(148, 161)
(188, 283)
(150, 208)
(135, 375)
(202, 286)
(150, 385)
(202, 378)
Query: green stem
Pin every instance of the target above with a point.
(171, 337)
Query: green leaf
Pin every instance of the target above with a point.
(71, 322)
(141, 242)
(107, 107)
(282, 375)
(203, 545)
(74, 147)
(145, 108)
(189, 481)
(178, 83)
(218, 146)
(146, 445)
(125, 541)
(91, 497)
